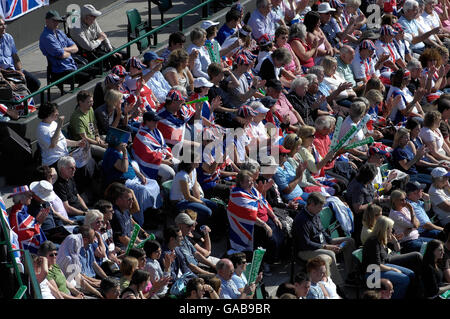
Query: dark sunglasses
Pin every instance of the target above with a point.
(53, 255)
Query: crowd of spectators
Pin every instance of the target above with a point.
(256, 163)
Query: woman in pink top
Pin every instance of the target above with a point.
(406, 223)
(281, 37)
(303, 51)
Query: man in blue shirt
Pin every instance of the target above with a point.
(414, 193)
(159, 85)
(232, 19)
(58, 49)
(89, 266)
(172, 242)
(263, 20)
(225, 270)
(9, 59)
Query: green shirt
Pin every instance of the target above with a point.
(82, 123)
(346, 71)
(57, 275)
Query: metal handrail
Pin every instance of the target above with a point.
(99, 60)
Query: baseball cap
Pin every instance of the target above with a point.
(268, 101)
(175, 95)
(89, 9)
(439, 172)
(54, 15)
(387, 30)
(324, 7)
(202, 82)
(208, 23)
(183, 218)
(261, 109)
(150, 116)
(375, 150)
(274, 83)
(413, 186)
(150, 56)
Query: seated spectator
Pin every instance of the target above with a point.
(273, 67)
(51, 141)
(240, 42)
(415, 194)
(40, 267)
(50, 175)
(110, 114)
(113, 81)
(186, 193)
(440, 195)
(432, 137)
(27, 227)
(117, 168)
(138, 282)
(225, 270)
(399, 269)
(172, 241)
(89, 266)
(151, 152)
(70, 260)
(153, 252)
(190, 253)
(122, 224)
(128, 266)
(58, 48)
(316, 269)
(176, 41)
(94, 219)
(240, 263)
(240, 91)
(365, 65)
(333, 80)
(385, 45)
(84, 126)
(444, 264)
(196, 288)
(316, 38)
(283, 108)
(157, 83)
(67, 191)
(232, 19)
(302, 284)
(405, 222)
(217, 52)
(110, 288)
(10, 60)
(262, 20)
(344, 62)
(303, 50)
(386, 289)
(404, 160)
(55, 275)
(370, 216)
(177, 71)
(91, 39)
(198, 38)
(434, 281)
(310, 239)
(411, 27)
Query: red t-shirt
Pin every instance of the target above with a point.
(322, 144)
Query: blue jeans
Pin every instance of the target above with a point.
(413, 245)
(421, 178)
(78, 219)
(400, 281)
(204, 212)
(431, 233)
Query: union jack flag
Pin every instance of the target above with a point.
(13, 238)
(242, 212)
(173, 126)
(12, 9)
(26, 227)
(149, 149)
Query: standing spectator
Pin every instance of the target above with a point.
(91, 39)
(58, 49)
(311, 240)
(9, 58)
(225, 270)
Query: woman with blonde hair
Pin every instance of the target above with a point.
(375, 253)
(370, 216)
(109, 114)
(432, 136)
(94, 219)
